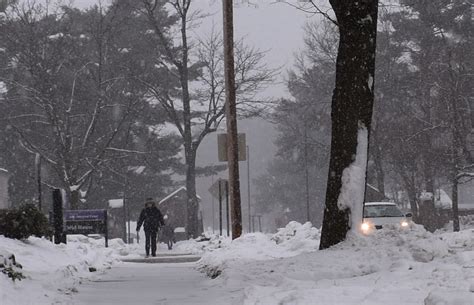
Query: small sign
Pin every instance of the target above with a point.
(214, 189)
(84, 215)
(222, 147)
(115, 203)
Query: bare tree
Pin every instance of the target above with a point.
(64, 101)
(197, 113)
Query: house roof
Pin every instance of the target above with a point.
(174, 194)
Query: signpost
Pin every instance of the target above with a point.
(86, 222)
(57, 217)
(219, 189)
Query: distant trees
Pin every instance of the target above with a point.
(430, 42)
(303, 123)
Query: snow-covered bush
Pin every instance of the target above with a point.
(24, 222)
(10, 267)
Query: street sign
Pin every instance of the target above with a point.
(222, 147)
(86, 222)
(214, 189)
(84, 215)
(115, 203)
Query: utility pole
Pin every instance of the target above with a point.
(231, 119)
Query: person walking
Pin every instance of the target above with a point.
(151, 219)
(168, 235)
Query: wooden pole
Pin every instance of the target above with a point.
(231, 119)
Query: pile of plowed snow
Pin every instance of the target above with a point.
(392, 265)
(52, 272)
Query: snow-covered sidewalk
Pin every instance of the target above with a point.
(158, 284)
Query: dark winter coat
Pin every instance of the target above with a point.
(151, 218)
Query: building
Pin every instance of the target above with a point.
(4, 177)
(174, 209)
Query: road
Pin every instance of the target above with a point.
(154, 284)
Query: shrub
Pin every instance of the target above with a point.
(23, 222)
(10, 267)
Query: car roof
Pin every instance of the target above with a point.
(379, 203)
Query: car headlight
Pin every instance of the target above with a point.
(404, 223)
(365, 227)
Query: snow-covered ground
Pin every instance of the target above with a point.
(388, 267)
(53, 271)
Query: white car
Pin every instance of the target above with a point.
(378, 214)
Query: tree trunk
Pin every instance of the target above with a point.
(352, 105)
(456, 226)
(189, 150)
(193, 203)
(427, 214)
(409, 184)
(74, 197)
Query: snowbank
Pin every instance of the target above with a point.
(290, 241)
(52, 272)
(298, 237)
(391, 266)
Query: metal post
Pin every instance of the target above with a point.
(253, 223)
(248, 184)
(106, 230)
(213, 211)
(227, 214)
(231, 119)
(128, 220)
(124, 220)
(220, 208)
(58, 216)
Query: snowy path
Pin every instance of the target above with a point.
(153, 284)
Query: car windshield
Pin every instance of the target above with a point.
(382, 211)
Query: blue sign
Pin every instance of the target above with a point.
(86, 222)
(85, 215)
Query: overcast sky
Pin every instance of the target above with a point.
(267, 25)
